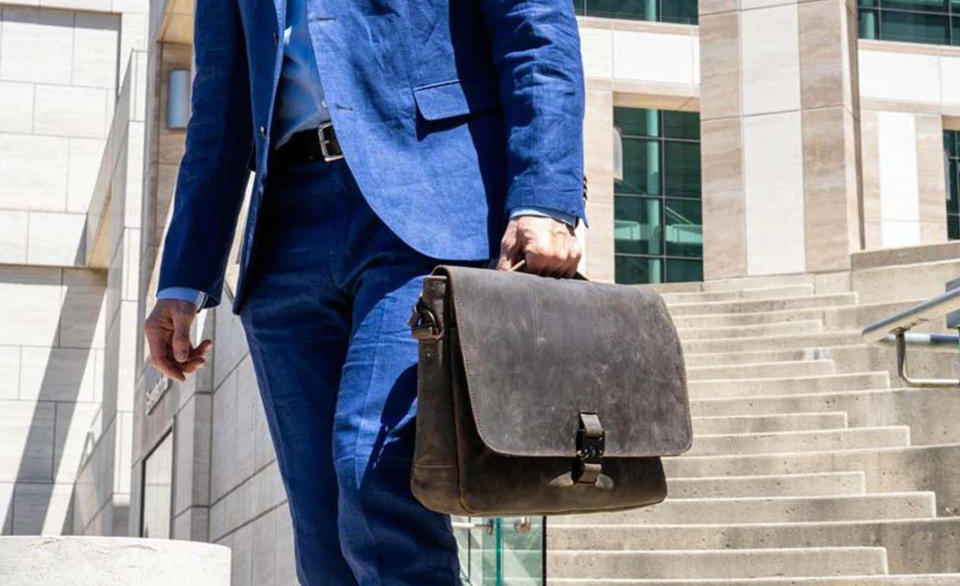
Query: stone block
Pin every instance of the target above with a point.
(247, 414)
(57, 374)
(82, 321)
(33, 172)
(41, 509)
(112, 561)
(9, 372)
(222, 442)
(771, 60)
(13, 236)
(71, 111)
(96, 44)
(73, 423)
(32, 36)
(17, 112)
(84, 164)
(264, 552)
(26, 441)
(56, 239)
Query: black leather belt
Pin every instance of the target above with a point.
(307, 146)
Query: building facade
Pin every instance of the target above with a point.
(725, 139)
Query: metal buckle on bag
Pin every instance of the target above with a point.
(590, 445)
(327, 140)
(423, 323)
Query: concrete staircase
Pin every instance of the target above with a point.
(809, 465)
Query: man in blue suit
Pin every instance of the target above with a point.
(387, 136)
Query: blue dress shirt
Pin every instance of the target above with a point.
(301, 106)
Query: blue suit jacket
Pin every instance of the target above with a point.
(449, 113)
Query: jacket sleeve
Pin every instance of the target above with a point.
(536, 51)
(213, 172)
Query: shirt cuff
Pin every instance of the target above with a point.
(568, 219)
(183, 294)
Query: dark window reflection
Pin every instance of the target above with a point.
(951, 157)
(676, 11)
(658, 234)
(912, 21)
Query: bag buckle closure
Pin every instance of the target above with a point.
(591, 440)
(423, 323)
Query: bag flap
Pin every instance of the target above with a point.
(537, 352)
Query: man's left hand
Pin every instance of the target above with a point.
(549, 247)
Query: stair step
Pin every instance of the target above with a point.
(746, 387)
(751, 331)
(761, 369)
(881, 580)
(906, 505)
(780, 442)
(795, 403)
(721, 320)
(753, 306)
(729, 424)
(816, 484)
(914, 546)
(722, 358)
(801, 290)
(786, 342)
(728, 563)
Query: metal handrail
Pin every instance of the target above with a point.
(896, 329)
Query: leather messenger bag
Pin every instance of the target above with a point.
(544, 396)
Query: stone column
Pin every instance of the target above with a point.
(598, 257)
(779, 136)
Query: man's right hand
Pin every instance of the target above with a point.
(168, 334)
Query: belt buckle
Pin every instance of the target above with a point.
(325, 143)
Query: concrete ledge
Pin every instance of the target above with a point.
(111, 561)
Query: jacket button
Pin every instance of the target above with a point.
(263, 131)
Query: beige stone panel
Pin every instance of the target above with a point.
(33, 172)
(714, 6)
(57, 374)
(26, 441)
(170, 147)
(773, 188)
(899, 76)
(84, 164)
(599, 140)
(871, 179)
(9, 371)
(826, 189)
(16, 115)
(13, 237)
(96, 44)
(724, 237)
(95, 5)
(720, 65)
(32, 36)
(71, 111)
(596, 47)
(56, 239)
(652, 56)
(822, 67)
(29, 305)
(931, 178)
(771, 59)
(899, 180)
(950, 78)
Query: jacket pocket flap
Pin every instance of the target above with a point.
(456, 97)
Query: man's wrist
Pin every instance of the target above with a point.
(567, 218)
(188, 294)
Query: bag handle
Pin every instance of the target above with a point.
(578, 276)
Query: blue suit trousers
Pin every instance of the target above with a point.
(330, 292)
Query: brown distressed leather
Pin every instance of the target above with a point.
(513, 366)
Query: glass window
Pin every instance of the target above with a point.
(658, 234)
(951, 155)
(676, 11)
(157, 490)
(913, 21)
